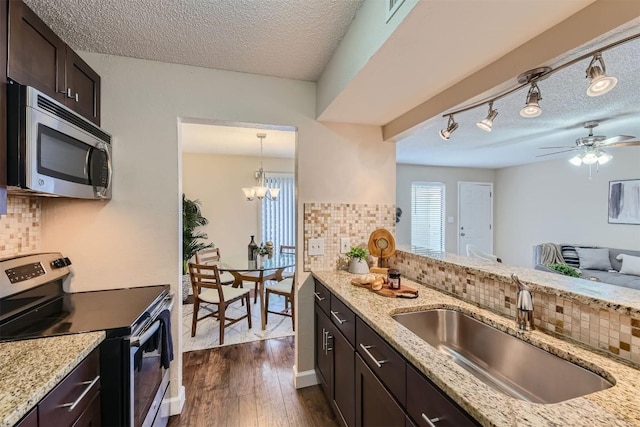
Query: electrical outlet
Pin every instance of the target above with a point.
(316, 246)
(345, 244)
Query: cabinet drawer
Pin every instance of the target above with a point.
(383, 360)
(322, 296)
(344, 319)
(68, 400)
(375, 407)
(426, 402)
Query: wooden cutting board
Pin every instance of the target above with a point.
(405, 291)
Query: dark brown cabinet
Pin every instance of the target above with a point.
(367, 381)
(39, 58)
(3, 106)
(374, 404)
(75, 401)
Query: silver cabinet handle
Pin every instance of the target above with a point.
(335, 315)
(318, 297)
(431, 421)
(76, 96)
(378, 363)
(69, 93)
(73, 404)
(324, 340)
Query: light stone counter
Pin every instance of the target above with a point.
(616, 406)
(29, 369)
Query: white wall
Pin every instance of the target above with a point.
(134, 239)
(217, 181)
(556, 202)
(406, 174)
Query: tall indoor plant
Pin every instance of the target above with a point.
(191, 239)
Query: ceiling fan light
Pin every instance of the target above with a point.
(604, 158)
(451, 127)
(590, 158)
(486, 124)
(576, 160)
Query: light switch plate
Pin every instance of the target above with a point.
(345, 245)
(316, 246)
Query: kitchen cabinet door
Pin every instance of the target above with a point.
(91, 416)
(374, 404)
(324, 355)
(83, 86)
(343, 377)
(36, 53)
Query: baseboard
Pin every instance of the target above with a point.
(176, 403)
(305, 378)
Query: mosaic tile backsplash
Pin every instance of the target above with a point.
(332, 221)
(597, 326)
(20, 227)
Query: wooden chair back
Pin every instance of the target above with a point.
(205, 276)
(285, 249)
(208, 255)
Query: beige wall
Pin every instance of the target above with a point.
(406, 174)
(134, 239)
(555, 201)
(217, 181)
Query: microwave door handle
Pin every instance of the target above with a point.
(87, 162)
(102, 147)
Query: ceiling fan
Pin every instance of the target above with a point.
(591, 147)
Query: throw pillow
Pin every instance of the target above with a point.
(570, 255)
(594, 259)
(630, 264)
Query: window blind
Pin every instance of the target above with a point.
(279, 216)
(427, 215)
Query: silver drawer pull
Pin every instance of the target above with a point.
(431, 421)
(73, 405)
(335, 315)
(318, 297)
(324, 340)
(378, 363)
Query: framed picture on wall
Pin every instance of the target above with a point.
(624, 202)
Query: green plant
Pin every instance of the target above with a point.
(565, 269)
(356, 252)
(191, 239)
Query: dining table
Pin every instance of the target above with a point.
(257, 271)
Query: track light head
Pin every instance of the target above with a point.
(600, 83)
(532, 107)
(486, 124)
(451, 127)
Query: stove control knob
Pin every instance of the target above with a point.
(60, 262)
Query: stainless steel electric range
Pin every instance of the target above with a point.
(134, 356)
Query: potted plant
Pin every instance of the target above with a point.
(357, 263)
(567, 270)
(191, 239)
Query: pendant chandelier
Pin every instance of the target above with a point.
(260, 190)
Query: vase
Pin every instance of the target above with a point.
(186, 285)
(252, 249)
(358, 266)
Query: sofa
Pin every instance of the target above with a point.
(611, 276)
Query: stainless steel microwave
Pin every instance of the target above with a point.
(51, 150)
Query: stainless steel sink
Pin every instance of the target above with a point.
(500, 360)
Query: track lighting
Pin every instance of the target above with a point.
(486, 124)
(600, 83)
(532, 109)
(451, 127)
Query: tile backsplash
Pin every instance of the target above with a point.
(610, 329)
(332, 221)
(20, 227)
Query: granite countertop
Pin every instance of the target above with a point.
(29, 369)
(616, 406)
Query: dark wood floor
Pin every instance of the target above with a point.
(248, 385)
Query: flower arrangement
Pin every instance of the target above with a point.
(266, 249)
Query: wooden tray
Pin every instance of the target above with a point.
(405, 291)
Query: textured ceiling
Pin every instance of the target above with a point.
(283, 38)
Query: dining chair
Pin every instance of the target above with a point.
(209, 255)
(208, 289)
(286, 249)
(284, 287)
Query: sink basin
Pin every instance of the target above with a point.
(500, 360)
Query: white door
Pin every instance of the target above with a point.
(475, 215)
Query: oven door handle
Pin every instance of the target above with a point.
(138, 341)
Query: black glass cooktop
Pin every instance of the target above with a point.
(114, 311)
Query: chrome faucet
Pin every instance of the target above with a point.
(524, 306)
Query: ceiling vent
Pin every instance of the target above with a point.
(392, 8)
